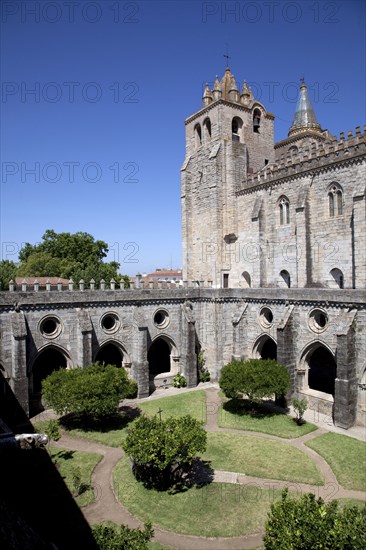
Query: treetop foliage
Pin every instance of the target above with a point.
(162, 450)
(308, 523)
(94, 391)
(122, 537)
(257, 378)
(71, 256)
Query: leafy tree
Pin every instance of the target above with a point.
(118, 537)
(76, 256)
(52, 430)
(256, 378)
(93, 391)
(163, 450)
(300, 406)
(301, 524)
(8, 271)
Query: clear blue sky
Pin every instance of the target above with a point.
(114, 83)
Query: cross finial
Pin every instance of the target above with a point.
(159, 412)
(302, 79)
(227, 56)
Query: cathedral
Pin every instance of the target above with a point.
(274, 266)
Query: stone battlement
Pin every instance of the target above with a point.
(317, 156)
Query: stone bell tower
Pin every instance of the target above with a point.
(231, 136)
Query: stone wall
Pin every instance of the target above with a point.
(224, 323)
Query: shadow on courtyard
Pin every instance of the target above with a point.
(116, 421)
(263, 409)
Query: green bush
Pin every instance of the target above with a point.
(307, 523)
(161, 451)
(300, 406)
(203, 373)
(122, 537)
(257, 378)
(94, 391)
(179, 381)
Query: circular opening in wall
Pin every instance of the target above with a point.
(318, 320)
(161, 318)
(50, 327)
(110, 322)
(266, 317)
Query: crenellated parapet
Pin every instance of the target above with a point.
(93, 286)
(319, 156)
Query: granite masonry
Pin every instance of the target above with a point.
(274, 266)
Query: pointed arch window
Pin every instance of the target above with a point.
(256, 121)
(236, 128)
(198, 135)
(335, 200)
(207, 128)
(284, 207)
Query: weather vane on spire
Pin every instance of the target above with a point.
(227, 55)
(302, 79)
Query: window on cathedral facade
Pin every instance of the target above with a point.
(284, 206)
(335, 201)
(207, 129)
(286, 278)
(236, 126)
(198, 135)
(256, 120)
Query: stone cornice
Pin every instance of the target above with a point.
(48, 301)
(238, 106)
(297, 171)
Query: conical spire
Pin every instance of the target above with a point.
(207, 96)
(216, 89)
(304, 118)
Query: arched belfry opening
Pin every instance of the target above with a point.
(159, 357)
(110, 354)
(47, 361)
(265, 348)
(322, 370)
(256, 121)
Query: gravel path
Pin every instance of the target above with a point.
(107, 507)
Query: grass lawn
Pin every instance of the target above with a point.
(238, 414)
(70, 461)
(346, 457)
(256, 456)
(215, 510)
(351, 502)
(115, 432)
(193, 403)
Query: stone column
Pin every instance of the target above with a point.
(19, 378)
(188, 359)
(358, 238)
(286, 352)
(140, 366)
(237, 330)
(84, 339)
(345, 398)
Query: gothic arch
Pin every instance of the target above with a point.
(197, 136)
(285, 279)
(49, 358)
(162, 356)
(246, 279)
(283, 207)
(112, 352)
(318, 362)
(256, 120)
(265, 347)
(207, 129)
(335, 199)
(337, 278)
(237, 129)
